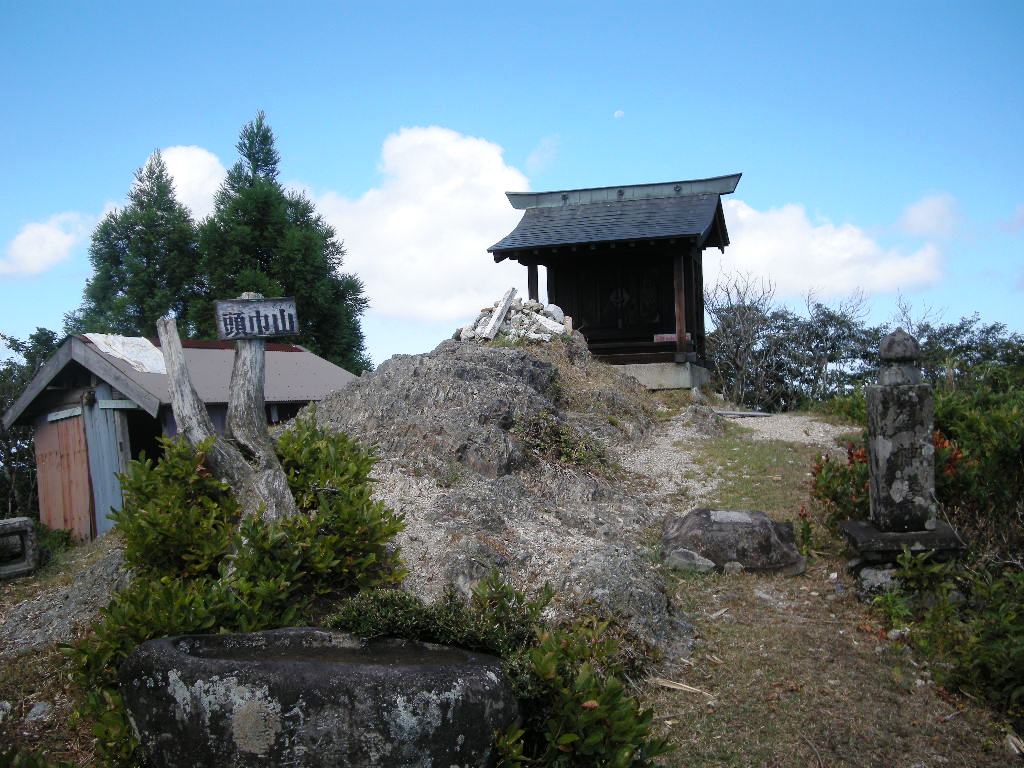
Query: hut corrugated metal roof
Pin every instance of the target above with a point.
(293, 375)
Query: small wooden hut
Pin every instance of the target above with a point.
(626, 263)
(101, 401)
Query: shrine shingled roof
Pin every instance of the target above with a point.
(612, 214)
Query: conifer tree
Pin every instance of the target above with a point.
(144, 258)
(263, 238)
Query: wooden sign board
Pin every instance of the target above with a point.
(256, 318)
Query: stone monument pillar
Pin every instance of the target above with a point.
(901, 460)
(901, 455)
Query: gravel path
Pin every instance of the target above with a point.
(666, 458)
(793, 428)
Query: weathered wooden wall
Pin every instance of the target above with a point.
(102, 438)
(65, 490)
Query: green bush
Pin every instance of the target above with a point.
(177, 519)
(52, 542)
(842, 488)
(202, 567)
(575, 709)
(971, 624)
(851, 407)
(986, 423)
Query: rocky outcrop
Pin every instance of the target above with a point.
(477, 449)
(58, 614)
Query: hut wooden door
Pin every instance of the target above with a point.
(62, 471)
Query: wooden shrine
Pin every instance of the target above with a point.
(625, 262)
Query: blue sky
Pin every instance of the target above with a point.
(882, 144)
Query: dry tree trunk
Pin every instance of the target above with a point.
(251, 467)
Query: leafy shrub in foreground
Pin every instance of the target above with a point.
(977, 639)
(177, 519)
(575, 709)
(200, 566)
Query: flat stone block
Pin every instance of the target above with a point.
(875, 546)
(667, 375)
(26, 559)
(749, 538)
(687, 560)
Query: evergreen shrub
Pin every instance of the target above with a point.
(200, 566)
(970, 624)
(576, 711)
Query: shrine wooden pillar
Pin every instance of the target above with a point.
(679, 285)
(531, 282)
(698, 282)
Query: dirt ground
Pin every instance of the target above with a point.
(798, 671)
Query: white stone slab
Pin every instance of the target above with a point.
(498, 317)
(547, 324)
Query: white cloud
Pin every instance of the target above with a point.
(40, 245)
(198, 174)
(935, 215)
(798, 255)
(618, 113)
(418, 240)
(543, 154)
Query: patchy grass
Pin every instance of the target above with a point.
(672, 402)
(43, 676)
(770, 476)
(797, 674)
(854, 436)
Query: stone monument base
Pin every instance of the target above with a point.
(875, 546)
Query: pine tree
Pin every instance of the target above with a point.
(263, 238)
(144, 258)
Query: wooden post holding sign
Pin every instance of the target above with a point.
(244, 457)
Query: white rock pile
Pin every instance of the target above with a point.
(514, 319)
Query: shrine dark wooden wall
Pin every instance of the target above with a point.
(620, 297)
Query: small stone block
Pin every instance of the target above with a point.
(875, 546)
(26, 563)
(687, 560)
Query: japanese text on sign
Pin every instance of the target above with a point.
(256, 318)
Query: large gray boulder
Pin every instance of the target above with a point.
(308, 698)
(749, 538)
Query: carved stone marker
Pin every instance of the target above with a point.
(901, 456)
(901, 460)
